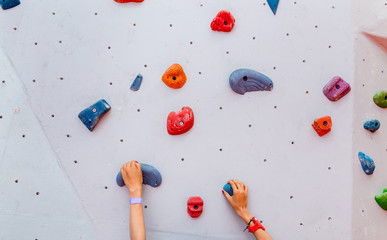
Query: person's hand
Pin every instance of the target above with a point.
(239, 199)
(132, 175)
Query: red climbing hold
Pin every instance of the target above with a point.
(195, 206)
(180, 122)
(126, 1)
(322, 125)
(223, 22)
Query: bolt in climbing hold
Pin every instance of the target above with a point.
(228, 189)
(126, 1)
(174, 77)
(195, 206)
(372, 125)
(91, 115)
(223, 22)
(136, 83)
(381, 199)
(180, 122)
(380, 99)
(7, 4)
(322, 125)
(367, 163)
(247, 80)
(273, 5)
(150, 176)
(336, 89)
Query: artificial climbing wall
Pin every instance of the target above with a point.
(59, 57)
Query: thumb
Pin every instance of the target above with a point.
(228, 197)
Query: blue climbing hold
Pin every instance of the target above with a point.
(367, 163)
(228, 189)
(91, 115)
(372, 125)
(273, 5)
(7, 4)
(150, 176)
(247, 80)
(136, 83)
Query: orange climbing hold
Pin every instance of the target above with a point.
(322, 125)
(174, 77)
(126, 1)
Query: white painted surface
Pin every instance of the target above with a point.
(140, 34)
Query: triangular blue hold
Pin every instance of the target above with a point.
(273, 5)
(7, 4)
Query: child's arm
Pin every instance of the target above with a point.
(132, 175)
(239, 203)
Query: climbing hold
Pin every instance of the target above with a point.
(322, 125)
(150, 176)
(136, 83)
(174, 77)
(126, 1)
(7, 4)
(273, 5)
(381, 42)
(228, 189)
(247, 80)
(336, 89)
(372, 125)
(367, 163)
(195, 206)
(381, 199)
(91, 115)
(180, 122)
(380, 99)
(223, 22)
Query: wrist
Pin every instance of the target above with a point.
(136, 193)
(245, 215)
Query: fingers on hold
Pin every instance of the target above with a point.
(233, 185)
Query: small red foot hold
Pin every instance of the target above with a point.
(195, 206)
(126, 1)
(322, 125)
(180, 122)
(223, 22)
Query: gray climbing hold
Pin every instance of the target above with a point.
(7, 4)
(367, 163)
(150, 176)
(247, 80)
(91, 115)
(228, 189)
(372, 125)
(136, 83)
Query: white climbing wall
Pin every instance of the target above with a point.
(66, 55)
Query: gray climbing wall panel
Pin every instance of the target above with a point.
(69, 54)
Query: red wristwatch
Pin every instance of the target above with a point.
(257, 225)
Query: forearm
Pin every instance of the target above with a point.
(136, 220)
(259, 234)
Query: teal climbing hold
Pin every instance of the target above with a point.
(91, 115)
(228, 189)
(136, 83)
(381, 199)
(273, 5)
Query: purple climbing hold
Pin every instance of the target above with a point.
(336, 89)
(247, 80)
(150, 176)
